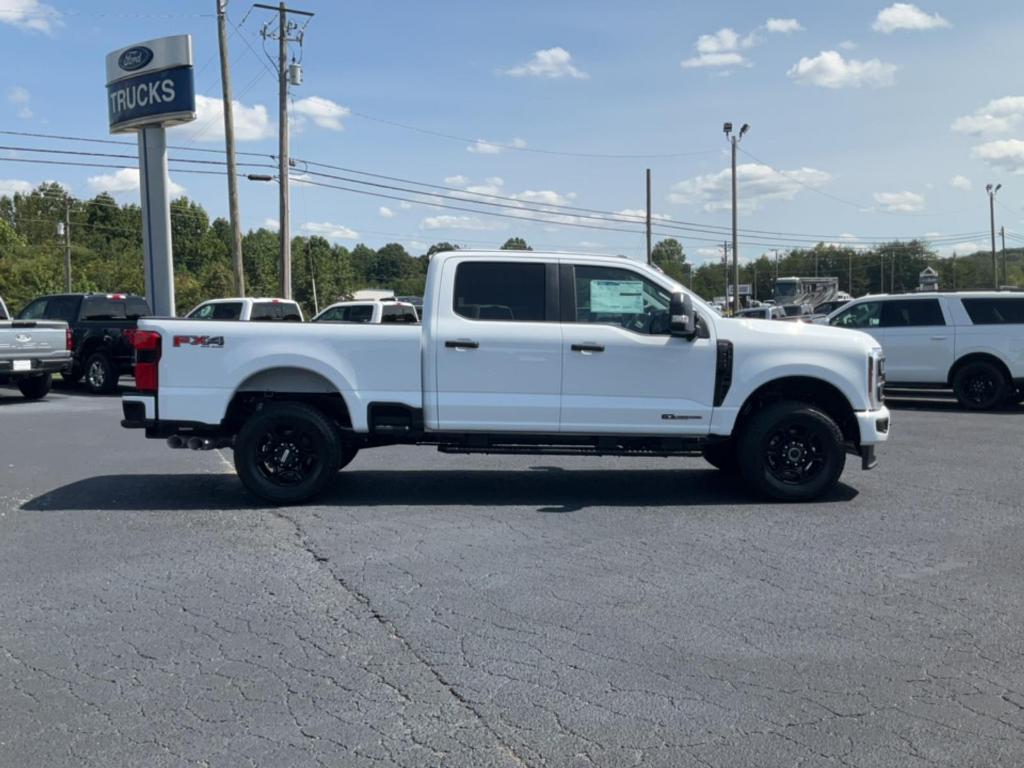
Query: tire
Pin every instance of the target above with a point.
(722, 456)
(287, 452)
(35, 387)
(980, 386)
(791, 451)
(100, 375)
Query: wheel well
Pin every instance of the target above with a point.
(804, 389)
(286, 384)
(977, 357)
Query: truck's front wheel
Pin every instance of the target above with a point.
(287, 452)
(791, 451)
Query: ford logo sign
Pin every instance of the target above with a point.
(135, 58)
(23, 338)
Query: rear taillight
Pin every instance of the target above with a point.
(69, 340)
(147, 359)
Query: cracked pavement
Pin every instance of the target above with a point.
(507, 611)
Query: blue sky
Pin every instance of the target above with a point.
(868, 119)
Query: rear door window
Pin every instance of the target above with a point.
(63, 308)
(262, 311)
(911, 312)
(34, 311)
(1008, 311)
(500, 291)
(361, 313)
(399, 315)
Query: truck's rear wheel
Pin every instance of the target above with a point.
(287, 452)
(722, 456)
(791, 451)
(100, 374)
(979, 386)
(35, 387)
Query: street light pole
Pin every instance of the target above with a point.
(992, 222)
(734, 142)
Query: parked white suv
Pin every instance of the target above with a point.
(972, 342)
(245, 309)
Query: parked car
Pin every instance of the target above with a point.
(416, 301)
(31, 351)
(589, 356)
(373, 312)
(101, 328)
(797, 310)
(972, 342)
(246, 309)
(828, 307)
(762, 313)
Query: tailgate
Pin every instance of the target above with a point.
(28, 340)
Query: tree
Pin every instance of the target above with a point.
(516, 244)
(668, 256)
(439, 248)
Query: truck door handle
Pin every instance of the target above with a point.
(587, 348)
(939, 338)
(462, 344)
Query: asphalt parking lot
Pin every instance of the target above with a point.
(507, 611)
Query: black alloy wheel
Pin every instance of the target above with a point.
(980, 386)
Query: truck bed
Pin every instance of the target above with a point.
(202, 363)
(32, 346)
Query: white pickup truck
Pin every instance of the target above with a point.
(519, 352)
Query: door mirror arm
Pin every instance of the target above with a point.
(684, 323)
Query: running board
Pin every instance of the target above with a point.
(582, 450)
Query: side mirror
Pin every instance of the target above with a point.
(684, 322)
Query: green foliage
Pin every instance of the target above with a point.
(515, 244)
(668, 256)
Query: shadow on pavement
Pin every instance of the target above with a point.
(550, 489)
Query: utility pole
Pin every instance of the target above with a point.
(849, 280)
(892, 274)
(67, 244)
(312, 278)
(229, 145)
(881, 271)
(648, 215)
(776, 265)
(734, 141)
(954, 270)
(1003, 235)
(283, 36)
(725, 267)
(992, 221)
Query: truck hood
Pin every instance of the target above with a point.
(799, 334)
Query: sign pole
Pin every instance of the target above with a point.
(156, 220)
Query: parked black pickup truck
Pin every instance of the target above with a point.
(101, 328)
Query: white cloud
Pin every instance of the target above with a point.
(271, 224)
(456, 181)
(962, 249)
(323, 112)
(19, 97)
(30, 14)
(960, 182)
(553, 63)
(126, 180)
(484, 147)
(830, 70)
(757, 184)
(330, 231)
(458, 222)
(906, 16)
(720, 49)
(785, 26)
(385, 212)
(709, 253)
(640, 213)
(899, 202)
(1007, 154)
(251, 123)
(545, 197)
(998, 116)
(848, 45)
(12, 187)
(404, 205)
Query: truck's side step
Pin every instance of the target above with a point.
(540, 450)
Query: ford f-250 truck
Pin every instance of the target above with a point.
(31, 352)
(542, 353)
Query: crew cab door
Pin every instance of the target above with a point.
(622, 373)
(498, 347)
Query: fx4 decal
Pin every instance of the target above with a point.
(199, 341)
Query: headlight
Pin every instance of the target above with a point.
(876, 378)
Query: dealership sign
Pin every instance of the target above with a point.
(151, 83)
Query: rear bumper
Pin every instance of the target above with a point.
(39, 366)
(140, 412)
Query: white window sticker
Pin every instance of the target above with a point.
(617, 297)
